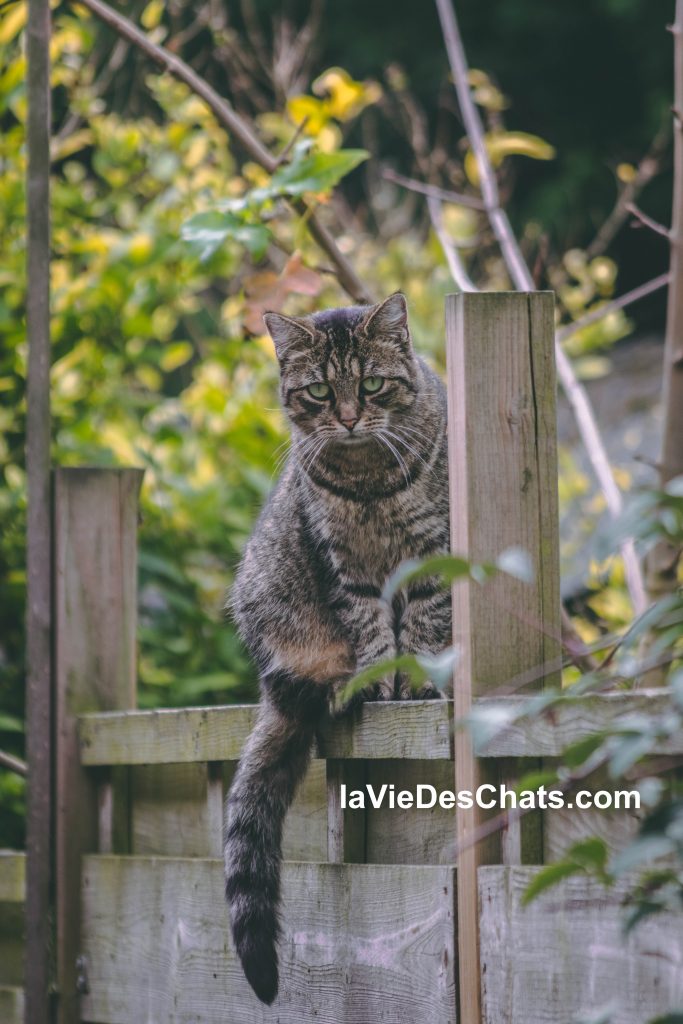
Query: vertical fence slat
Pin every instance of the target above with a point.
(503, 485)
(39, 538)
(95, 528)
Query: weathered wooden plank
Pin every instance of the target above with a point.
(11, 1004)
(417, 730)
(568, 825)
(565, 956)
(345, 827)
(410, 835)
(550, 734)
(305, 832)
(360, 943)
(502, 455)
(170, 811)
(95, 524)
(12, 877)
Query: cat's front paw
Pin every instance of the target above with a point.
(407, 689)
(342, 703)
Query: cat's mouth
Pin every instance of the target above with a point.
(353, 438)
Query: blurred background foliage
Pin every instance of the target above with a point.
(168, 244)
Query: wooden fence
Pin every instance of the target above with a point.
(379, 923)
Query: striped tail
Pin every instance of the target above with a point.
(273, 763)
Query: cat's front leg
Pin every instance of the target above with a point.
(425, 628)
(367, 622)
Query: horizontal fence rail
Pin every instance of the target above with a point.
(420, 730)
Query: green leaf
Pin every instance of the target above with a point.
(206, 232)
(314, 172)
(626, 750)
(486, 721)
(547, 877)
(10, 723)
(448, 567)
(590, 853)
(578, 753)
(516, 562)
(642, 850)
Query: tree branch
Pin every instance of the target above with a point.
(239, 129)
(647, 222)
(14, 764)
(413, 185)
(627, 299)
(645, 172)
(661, 564)
(455, 264)
(522, 279)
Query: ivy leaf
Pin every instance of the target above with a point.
(549, 876)
(448, 567)
(206, 232)
(314, 172)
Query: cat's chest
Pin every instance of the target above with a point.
(371, 541)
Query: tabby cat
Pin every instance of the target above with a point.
(364, 488)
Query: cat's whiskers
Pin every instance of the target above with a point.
(318, 451)
(417, 433)
(297, 448)
(399, 458)
(398, 437)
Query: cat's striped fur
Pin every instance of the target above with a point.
(364, 488)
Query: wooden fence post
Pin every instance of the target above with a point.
(503, 494)
(95, 530)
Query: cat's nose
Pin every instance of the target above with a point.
(348, 419)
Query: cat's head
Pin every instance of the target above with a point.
(346, 373)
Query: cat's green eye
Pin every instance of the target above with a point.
(372, 384)
(319, 390)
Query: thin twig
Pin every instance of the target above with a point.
(15, 764)
(455, 264)
(444, 194)
(289, 146)
(522, 279)
(646, 170)
(239, 129)
(627, 299)
(646, 221)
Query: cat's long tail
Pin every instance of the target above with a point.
(273, 762)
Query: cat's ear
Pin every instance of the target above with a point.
(289, 333)
(389, 318)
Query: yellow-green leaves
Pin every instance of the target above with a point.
(502, 144)
(341, 98)
(314, 172)
(309, 172)
(206, 232)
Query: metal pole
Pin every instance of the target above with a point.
(39, 540)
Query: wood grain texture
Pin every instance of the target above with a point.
(410, 836)
(95, 650)
(346, 828)
(360, 943)
(502, 456)
(564, 956)
(170, 811)
(419, 729)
